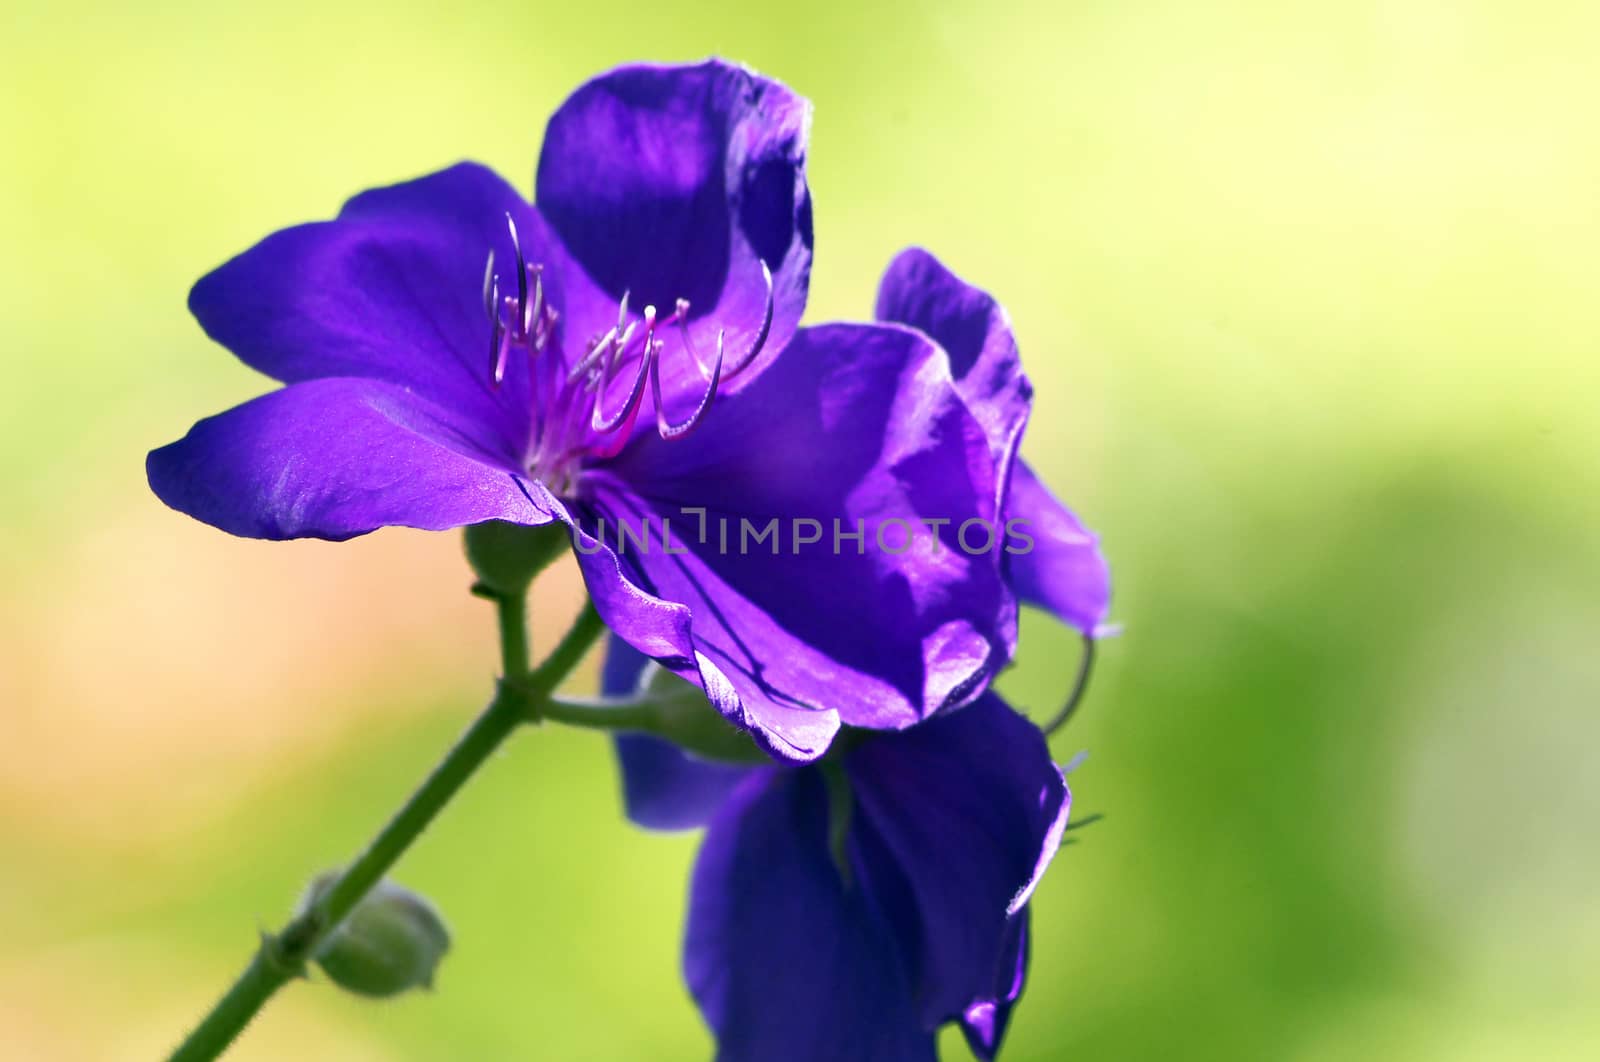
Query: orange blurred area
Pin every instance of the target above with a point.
(212, 660)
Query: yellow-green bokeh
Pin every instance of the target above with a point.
(1311, 296)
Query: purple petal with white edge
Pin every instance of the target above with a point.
(787, 962)
(1064, 570)
(679, 182)
(392, 290)
(662, 788)
(970, 808)
(333, 459)
(858, 424)
(659, 626)
(917, 290)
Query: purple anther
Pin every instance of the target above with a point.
(522, 276)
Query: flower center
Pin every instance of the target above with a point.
(570, 422)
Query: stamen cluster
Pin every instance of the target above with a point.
(528, 324)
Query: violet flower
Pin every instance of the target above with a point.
(845, 911)
(952, 822)
(629, 352)
(1064, 572)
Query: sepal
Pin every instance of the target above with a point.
(392, 942)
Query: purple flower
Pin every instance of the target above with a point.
(794, 958)
(629, 355)
(843, 912)
(1064, 572)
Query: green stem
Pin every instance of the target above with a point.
(512, 612)
(615, 714)
(233, 1012)
(683, 718)
(283, 957)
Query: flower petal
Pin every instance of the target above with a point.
(332, 459)
(1063, 570)
(985, 1019)
(678, 182)
(857, 427)
(970, 809)
(917, 290)
(658, 625)
(392, 290)
(662, 787)
(787, 962)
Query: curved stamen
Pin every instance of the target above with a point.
(761, 336)
(533, 311)
(592, 358)
(502, 354)
(497, 349)
(594, 372)
(630, 407)
(589, 361)
(682, 319)
(522, 275)
(665, 428)
(519, 322)
(650, 343)
(491, 287)
(622, 343)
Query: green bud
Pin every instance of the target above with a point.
(391, 942)
(507, 556)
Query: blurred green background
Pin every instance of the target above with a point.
(1309, 293)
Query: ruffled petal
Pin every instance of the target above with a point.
(334, 459)
(969, 809)
(788, 961)
(662, 787)
(391, 290)
(917, 290)
(1063, 570)
(1057, 565)
(658, 624)
(679, 182)
(856, 428)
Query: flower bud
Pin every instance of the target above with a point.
(506, 556)
(391, 942)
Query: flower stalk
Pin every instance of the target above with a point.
(283, 956)
(663, 706)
